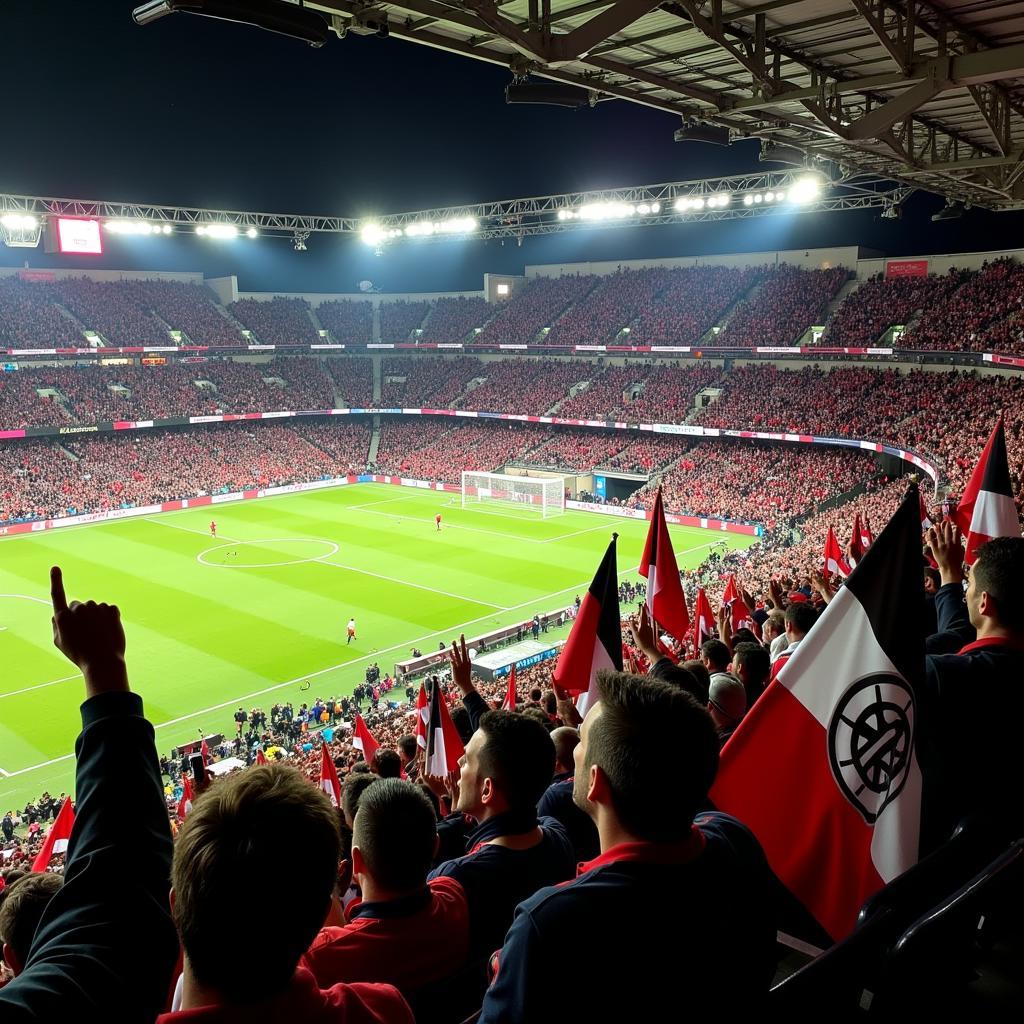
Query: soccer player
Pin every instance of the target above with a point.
(213, 528)
(351, 630)
(437, 520)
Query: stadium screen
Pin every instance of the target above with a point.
(78, 236)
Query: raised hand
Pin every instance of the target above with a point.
(641, 625)
(462, 667)
(948, 550)
(90, 636)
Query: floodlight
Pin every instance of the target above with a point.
(251, 233)
(805, 189)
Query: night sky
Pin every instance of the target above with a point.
(189, 111)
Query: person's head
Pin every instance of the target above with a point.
(800, 616)
(685, 679)
(462, 723)
(700, 672)
(538, 716)
(535, 694)
(715, 655)
(231, 843)
(647, 756)
(995, 593)
(751, 664)
(507, 765)
(394, 840)
(407, 747)
(565, 739)
(352, 790)
(387, 763)
(932, 580)
(727, 700)
(21, 908)
(743, 636)
(774, 626)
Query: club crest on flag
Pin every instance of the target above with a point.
(870, 739)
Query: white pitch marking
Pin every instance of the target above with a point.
(192, 529)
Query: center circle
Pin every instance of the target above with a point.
(247, 554)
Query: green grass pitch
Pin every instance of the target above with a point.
(248, 617)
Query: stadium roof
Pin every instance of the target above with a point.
(927, 92)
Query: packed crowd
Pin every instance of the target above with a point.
(882, 302)
(753, 482)
(515, 385)
(95, 474)
(427, 381)
(451, 319)
(578, 450)
(107, 307)
(693, 301)
(536, 305)
(190, 308)
(30, 318)
(349, 321)
(787, 301)
(400, 318)
(277, 321)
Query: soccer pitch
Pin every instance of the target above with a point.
(249, 617)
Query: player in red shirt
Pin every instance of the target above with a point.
(437, 520)
(213, 528)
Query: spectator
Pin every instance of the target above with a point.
(727, 704)
(647, 757)
(230, 843)
(21, 909)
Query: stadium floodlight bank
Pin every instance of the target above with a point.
(542, 494)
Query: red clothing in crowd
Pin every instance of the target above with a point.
(304, 1001)
(408, 942)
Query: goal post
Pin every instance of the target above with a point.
(545, 495)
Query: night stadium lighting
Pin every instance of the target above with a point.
(805, 189)
(132, 227)
(252, 233)
(218, 231)
(606, 211)
(19, 221)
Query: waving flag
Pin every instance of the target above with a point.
(261, 758)
(823, 768)
(204, 750)
(422, 717)
(857, 545)
(665, 598)
(703, 619)
(329, 776)
(835, 563)
(986, 509)
(595, 641)
(364, 739)
(57, 838)
(444, 745)
(509, 703)
(741, 615)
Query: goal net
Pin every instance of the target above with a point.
(521, 494)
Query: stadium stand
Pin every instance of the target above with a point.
(348, 321)
(538, 304)
(400, 318)
(277, 321)
(451, 319)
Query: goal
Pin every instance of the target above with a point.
(526, 494)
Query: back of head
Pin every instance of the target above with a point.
(728, 697)
(777, 621)
(21, 908)
(743, 636)
(700, 672)
(407, 746)
(565, 739)
(658, 748)
(462, 723)
(352, 789)
(998, 571)
(716, 654)
(755, 662)
(518, 754)
(260, 824)
(685, 679)
(538, 716)
(388, 763)
(800, 617)
(396, 833)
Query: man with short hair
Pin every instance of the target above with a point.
(511, 853)
(21, 908)
(800, 617)
(557, 801)
(387, 763)
(751, 665)
(715, 656)
(408, 749)
(405, 931)
(972, 703)
(647, 757)
(231, 840)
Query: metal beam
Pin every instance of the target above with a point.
(876, 24)
(582, 40)
(874, 124)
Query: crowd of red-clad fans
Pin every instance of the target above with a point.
(398, 319)
(349, 321)
(536, 305)
(30, 318)
(787, 301)
(428, 382)
(451, 319)
(278, 320)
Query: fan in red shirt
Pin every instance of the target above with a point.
(213, 528)
(437, 520)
